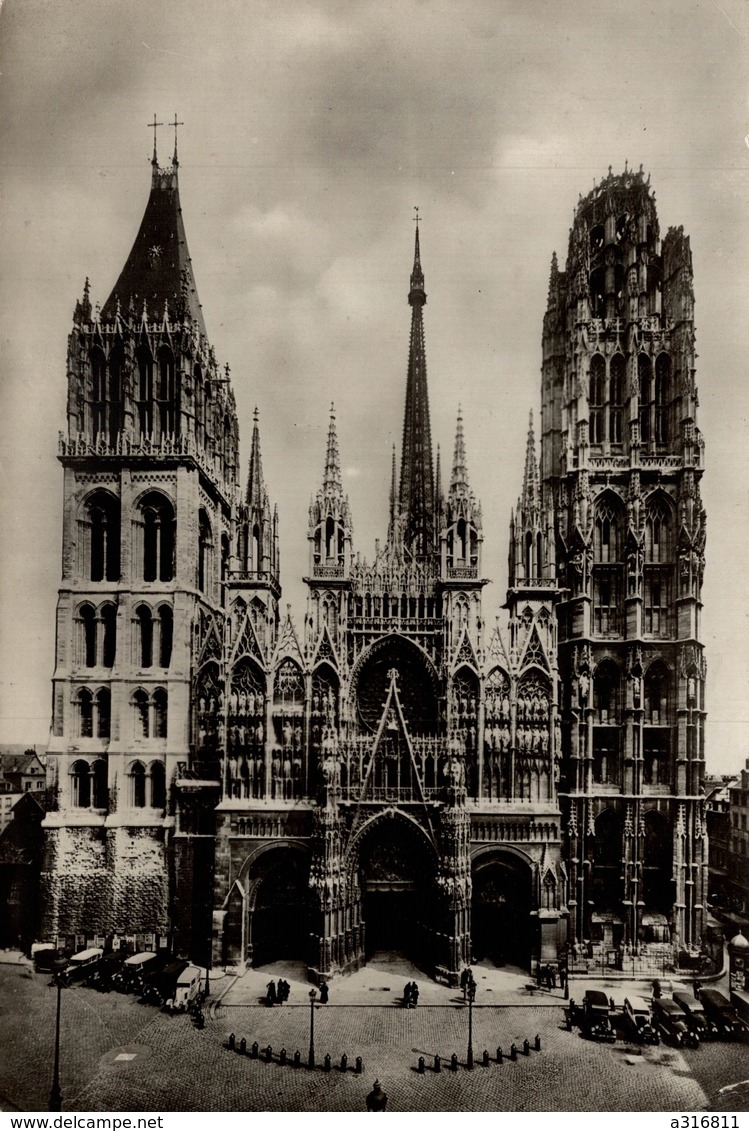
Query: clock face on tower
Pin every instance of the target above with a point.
(417, 685)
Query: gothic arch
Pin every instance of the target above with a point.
(502, 901)
(377, 819)
(418, 685)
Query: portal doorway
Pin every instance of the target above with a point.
(397, 868)
(500, 911)
(279, 908)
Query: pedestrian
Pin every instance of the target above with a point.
(377, 1099)
(286, 990)
(324, 991)
(279, 992)
(406, 995)
(562, 977)
(271, 998)
(414, 994)
(464, 980)
(553, 978)
(696, 987)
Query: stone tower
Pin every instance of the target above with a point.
(621, 459)
(150, 471)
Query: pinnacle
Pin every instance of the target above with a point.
(459, 477)
(256, 493)
(332, 474)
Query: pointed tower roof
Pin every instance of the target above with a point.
(531, 489)
(417, 469)
(158, 270)
(459, 477)
(332, 475)
(257, 496)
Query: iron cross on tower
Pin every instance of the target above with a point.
(153, 126)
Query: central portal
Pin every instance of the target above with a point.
(397, 868)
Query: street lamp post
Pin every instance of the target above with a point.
(471, 995)
(311, 1060)
(59, 965)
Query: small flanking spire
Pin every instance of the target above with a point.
(257, 495)
(531, 489)
(332, 476)
(459, 477)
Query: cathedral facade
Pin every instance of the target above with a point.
(398, 773)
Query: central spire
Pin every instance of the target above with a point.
(417, 470)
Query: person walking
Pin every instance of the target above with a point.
(377, 1099)
(414, 994)
(407, 995)
(271, 998)
(324, 992)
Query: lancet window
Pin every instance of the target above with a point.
(99, 525)
(88, 784)
(157, 530)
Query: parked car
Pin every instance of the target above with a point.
(83, 965)
(110, 965)
(593, 1017)
(639, 1022)
(671, 1023)
(161, 983)
(697, 1019)
(132, 977)
(45, 956)
(720, 1011)
(189, 984)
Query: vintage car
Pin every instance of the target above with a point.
(593, 1017)
(161, 982)
(46, 955)
(723, 1015)
(638, 1021)
(84, 964)
(132, 977)
(671, 1023)
(697, 1019)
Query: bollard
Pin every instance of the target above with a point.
(359, 1066)
(500, 1057)
(326, 1062)
(254, 1052)
(269, 1054)
(231, 1040)
(437, 1064)
(526, 1047)
(282, 1056)
(297, 1058)
(242, 1045)
(344, 1063)
(422, 1065)
(513, 1051)
(454, 1062)
(485, 1058)
(537, 1043)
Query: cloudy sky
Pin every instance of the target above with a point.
(312, 128)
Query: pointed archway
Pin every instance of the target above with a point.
(502, 901)
(278, 906)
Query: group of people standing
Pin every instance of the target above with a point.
(278, 994)
(410, 995)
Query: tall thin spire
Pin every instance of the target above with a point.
(393, 497)
(417, 470)
(332, 474)
(531, 493)
(459, 477)
(256, 493)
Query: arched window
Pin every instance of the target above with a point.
(87, 615)
(606, 533)
(160, 705)
(645, 377)
(138, 786)
(257, 549)
(166, 634)
(144, 399)
(144, 621)
(606, 684)
(109, 635)
(225, 554)
(158, 537)
(662, 397)
(100, 521)
(85, 703)
(658, 533)
(598, 292)
(616, 398)
(98, 393)
(100, 784)
(207, 417)
(158, 786)
(528, 563)
(539, 555)
(140, 704)
(596, 397)
(80, 782)
(461, 533)
(205, 553)
(597, 238)
(166, 398)
(657, 683)
(103, 713)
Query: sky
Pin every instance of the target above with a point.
(311, 129)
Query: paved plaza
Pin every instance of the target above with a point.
(119, 1055)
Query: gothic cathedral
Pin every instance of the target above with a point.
(399, 774)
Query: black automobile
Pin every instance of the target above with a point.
(671, 1023)
(638, 1021)
(697, 1018)
(45, 958)
(723, 1015)
(110, 965)
(594, 1018)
